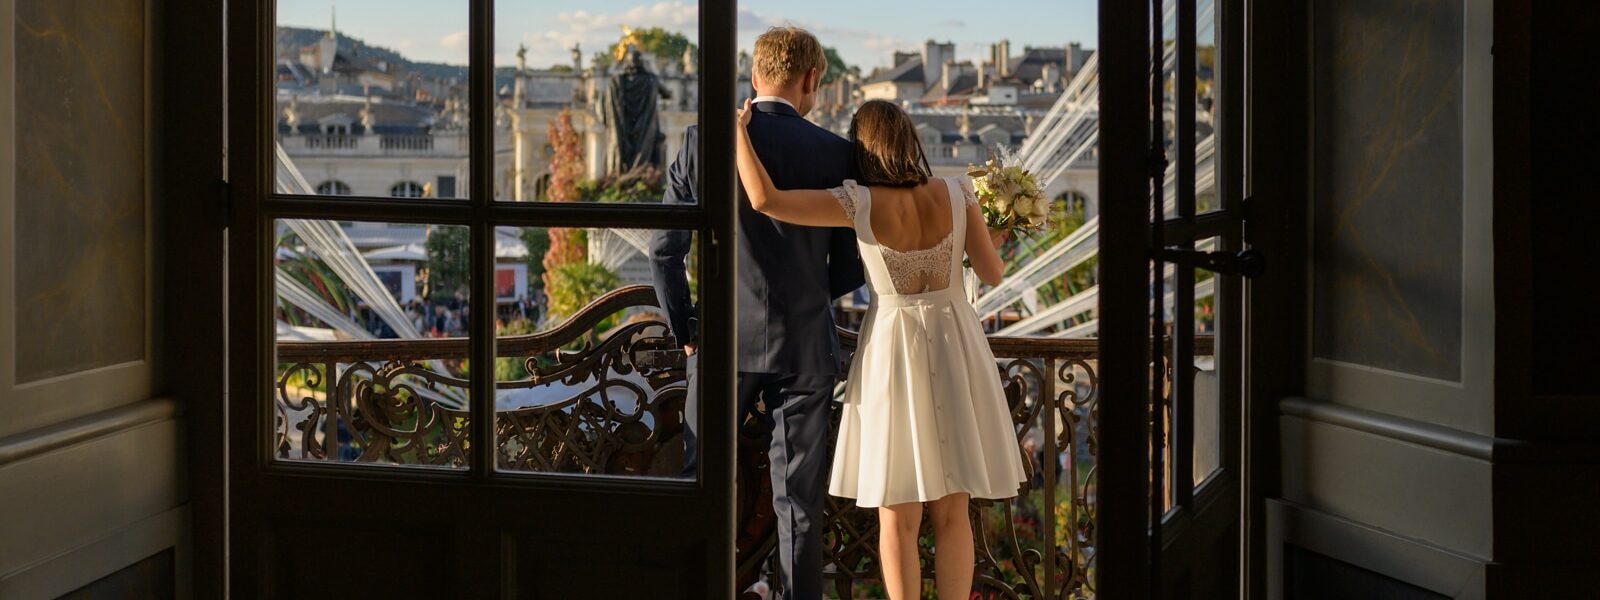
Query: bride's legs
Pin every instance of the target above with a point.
(897, 549)
(953, 558)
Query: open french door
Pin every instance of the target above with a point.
(434, 464)
(1173, 260)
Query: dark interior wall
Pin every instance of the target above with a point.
(148, 579)
(1388, 209)
(1565, 200)
(1548, 400)
(1377, 469)
(91, 437)
(1313, 576)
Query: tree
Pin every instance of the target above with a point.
(574, 285)
(537, 241)
(566, 171)
(567, 246)
(566, 162)
(666, 45)
(447, 259)
(836, 66)
(512, 368)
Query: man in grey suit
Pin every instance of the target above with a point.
(788, 277)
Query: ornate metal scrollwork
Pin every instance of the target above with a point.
(389, 401)
(1010, 539)
(615, 406)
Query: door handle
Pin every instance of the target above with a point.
(1246, 263)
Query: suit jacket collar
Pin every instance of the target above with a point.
(776, 108)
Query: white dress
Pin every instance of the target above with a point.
(923, 415)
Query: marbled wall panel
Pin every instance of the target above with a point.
(1388, 185)
(80, 185)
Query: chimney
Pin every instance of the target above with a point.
(946, 76)
(1049, 77)
(934, 56)
(1002, 59)
(983, 75)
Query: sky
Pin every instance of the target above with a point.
(864, 31)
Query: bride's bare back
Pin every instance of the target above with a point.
(910, 219)
(903, 220)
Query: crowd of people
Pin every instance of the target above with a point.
(451, 316)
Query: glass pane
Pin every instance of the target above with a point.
(1169, 105)
(1205, 441)
(370, 100)
(358, 378)
(592, 107)
(1207, 390)
(589, 378)
(1205, 107)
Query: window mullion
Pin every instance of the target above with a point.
(480, 195)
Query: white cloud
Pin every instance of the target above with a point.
(454, 41)
(749, 21)
(669, 15)
(884, 43)
(550, 43)
(593, 32)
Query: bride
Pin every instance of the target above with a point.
(924, 417)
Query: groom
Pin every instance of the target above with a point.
(788, 276)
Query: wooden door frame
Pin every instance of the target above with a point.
(1207, 514)
(1123, 545)
(1278, 113)
(189, 66)
(702, 511)
(1126, 541)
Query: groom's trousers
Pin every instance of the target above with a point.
(799, 408)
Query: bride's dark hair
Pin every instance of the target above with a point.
(887, 151)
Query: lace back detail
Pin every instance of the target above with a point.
(920, 271)
(910, 272)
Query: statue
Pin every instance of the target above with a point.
(630, 115)
(577, 58)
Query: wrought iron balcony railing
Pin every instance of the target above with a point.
(615, 406)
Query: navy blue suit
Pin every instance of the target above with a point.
(788, 355)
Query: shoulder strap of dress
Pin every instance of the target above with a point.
(862, 219)
(958, 223)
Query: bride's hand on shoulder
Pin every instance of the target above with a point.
(744, 113)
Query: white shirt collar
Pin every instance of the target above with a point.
(760, 99)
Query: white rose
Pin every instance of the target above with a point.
(1038, 207)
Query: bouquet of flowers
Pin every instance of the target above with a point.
(1010, 196)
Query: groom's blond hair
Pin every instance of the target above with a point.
(784, 54)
